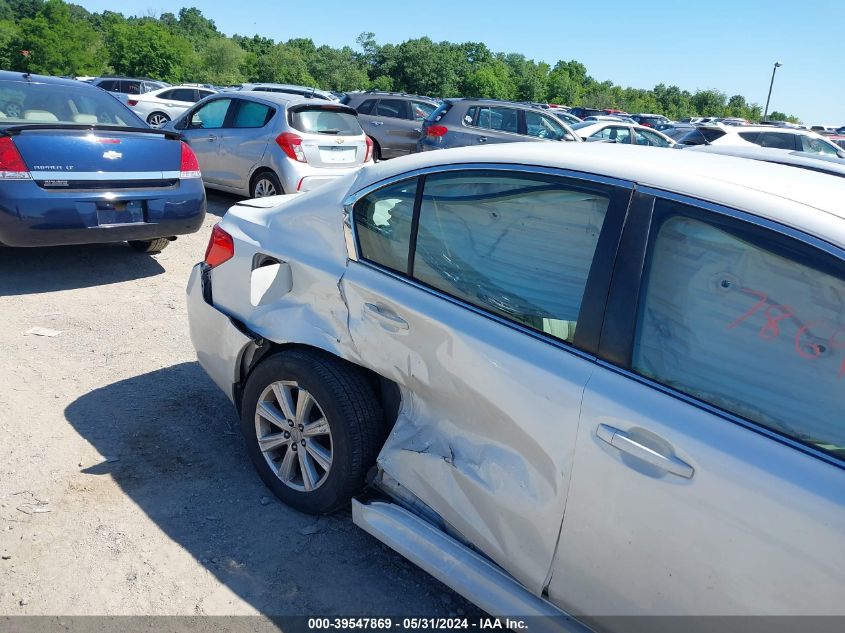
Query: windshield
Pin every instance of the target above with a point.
(30, 103)
(325, 120)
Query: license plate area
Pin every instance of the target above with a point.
(337, 154)
(121, 212)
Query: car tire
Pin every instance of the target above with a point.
(158, 119)
(265, 183)
(344, 408)
(150, 246)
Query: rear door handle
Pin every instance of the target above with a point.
(482, 139)
(618, 439)
(386, 317)
(212, 137)
(378, 122)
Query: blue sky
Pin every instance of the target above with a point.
(730, 46)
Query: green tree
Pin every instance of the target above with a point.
(490, 80)
(221, 62)
(283, 64)
(57, 43)
(147, 48)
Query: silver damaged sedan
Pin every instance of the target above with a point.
(579, 381)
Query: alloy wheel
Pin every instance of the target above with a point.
(294, 436)
(264, 187)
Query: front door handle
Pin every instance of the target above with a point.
(386, 317)
(378, 122)
(212, 137)
(618, 439)
(482, 139)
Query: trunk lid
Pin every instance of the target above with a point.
(58, 157)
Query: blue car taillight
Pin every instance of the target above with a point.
(12, 165)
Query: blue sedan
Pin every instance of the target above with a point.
(79, 167)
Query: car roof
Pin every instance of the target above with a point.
(280, 98)
(807, 160)
(799, 198)
(8, 75)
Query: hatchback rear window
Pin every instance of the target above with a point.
(701, 136)
(440, 112)
(62, 103)
(325, 120)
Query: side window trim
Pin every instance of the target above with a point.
(592, 310)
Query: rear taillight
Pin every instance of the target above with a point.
(221, 247)
(436, 130)
(291, 145)
(132, 102)
(12, 166)
(188, 166)
(369, 154)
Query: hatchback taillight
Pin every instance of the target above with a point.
(369, 153)
(188, 165)
(132, 102)
(436, 130)
(12, 166)
(221, 247)
(291, 145)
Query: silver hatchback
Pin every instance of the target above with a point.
(271, 143)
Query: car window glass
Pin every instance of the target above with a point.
(519, 246)
(643, 137)
(420, 111)
(325, 120)
(817, 145)
(252, 115)
(366, 107)
(212, 115)
(754, 327)
(182, 94)
(541, 126)
(110, 84)
(497, 118)
(202, 94)
(167, 94)
(131, 87)
(392, 108)
(469, 117)
(614, 134)
(383, 224)
(777, 140)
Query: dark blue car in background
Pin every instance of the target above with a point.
(79, 167)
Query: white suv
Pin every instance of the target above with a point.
(591, 378)
(762, 136)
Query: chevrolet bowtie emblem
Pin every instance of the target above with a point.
(112, 155)
(340, 141)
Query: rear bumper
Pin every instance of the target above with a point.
(301, 177)
(219, 344)
(33, 216)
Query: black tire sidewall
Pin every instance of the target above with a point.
(269, 175)
(334, 492)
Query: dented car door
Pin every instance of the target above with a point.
(480, 292)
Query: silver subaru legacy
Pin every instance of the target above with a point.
(580, 381)
(259, 144)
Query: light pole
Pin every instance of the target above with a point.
(772, 83)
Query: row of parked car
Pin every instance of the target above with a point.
(575, 378)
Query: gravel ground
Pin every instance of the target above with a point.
(124, 485)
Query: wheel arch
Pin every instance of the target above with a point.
(387, 391)
(261, 169)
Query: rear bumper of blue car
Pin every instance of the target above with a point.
(31, 215)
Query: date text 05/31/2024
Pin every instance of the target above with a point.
(480, 624)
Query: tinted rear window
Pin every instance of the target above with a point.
(323, 120)
(440, 112)
(62, 103)
(701, 136)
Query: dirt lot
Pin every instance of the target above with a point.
(124, 485)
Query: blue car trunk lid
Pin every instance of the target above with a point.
(94, 158)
